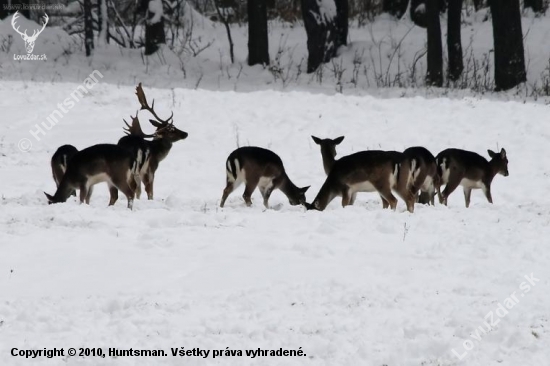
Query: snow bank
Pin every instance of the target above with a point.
(353, 286)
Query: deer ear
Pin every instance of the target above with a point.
(338, 140)
(502, 153)
(304, 189)
(157, 124)
(491, 153)
(316, 139)
(50, 198)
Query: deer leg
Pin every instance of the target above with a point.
(113, 191)
(230, 186)
(89, 195)
(83, 193)
(226, 192)
(266, 193)
(452, 184)
(406, 196)
(125, 188)
(424, 198)
(137, 179)
(385, 203)
(346, 197)
(248, 190)
(487, 191)
(387, 197)
(467, 195)
(149, 178)
(431, 193)
(352, 198)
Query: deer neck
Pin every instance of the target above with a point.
(287, 187)
(325, 196)
(328, 160)
(493, 169)
(63, 191)
(160, 148)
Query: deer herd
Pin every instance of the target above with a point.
(415, 175)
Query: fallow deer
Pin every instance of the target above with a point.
(149, 154)
(368, 171)
(258, 167)
(59, 162)
(328, 151)
(424, 175)
(470, 170)
(95, 164)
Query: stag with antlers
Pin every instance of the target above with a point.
(149, 154)
(29, 40)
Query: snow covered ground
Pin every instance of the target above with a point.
(353, 286)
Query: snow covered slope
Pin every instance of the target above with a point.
(353, 286)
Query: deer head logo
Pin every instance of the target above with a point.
(29, 40)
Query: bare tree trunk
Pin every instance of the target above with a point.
(434, 75)
(227, 29)
(258, 52)
(478, 4)
(88, 27)
(536, 5)
(103, 21)
(342, 15)
(322, 34)
(395, 8)
(454, 42)
(154, 26)
(418, 13)
(508, 42)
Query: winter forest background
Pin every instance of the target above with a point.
(337, 45)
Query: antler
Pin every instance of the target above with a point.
(135, 128)
(15, 16)
(36, 32)
(144, 105)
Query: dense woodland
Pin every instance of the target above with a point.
(326, 23)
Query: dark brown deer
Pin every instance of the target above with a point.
(328, 151)
(470, 170)
(368, 171)
(424, 175)
(149, 154)
(99, 163)
(59, 162)
(258, 167)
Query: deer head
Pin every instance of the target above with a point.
(165, 127)
(29, 40)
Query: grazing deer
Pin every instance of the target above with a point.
(59, 162)
(470, 170)
(328, 151)
(368, 171)
(424, 175)
(149, 154)
(99, 163)
(256, 166)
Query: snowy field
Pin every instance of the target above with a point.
(353, 286)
